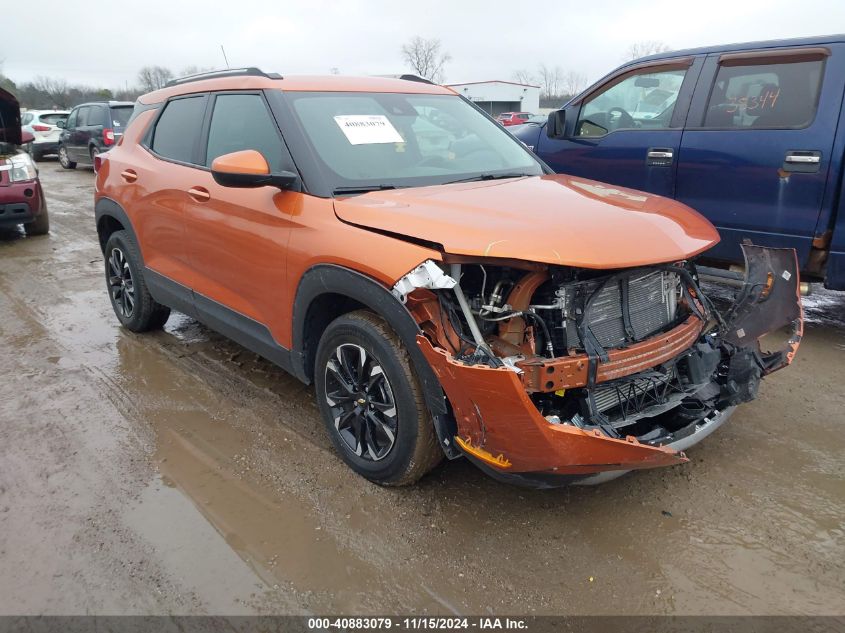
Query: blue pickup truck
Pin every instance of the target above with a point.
(751, 135)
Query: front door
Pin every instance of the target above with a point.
(628, 130)
(238, 237)
(757, 148)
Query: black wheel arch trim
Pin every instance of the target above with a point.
(325, 279)
(106, 207)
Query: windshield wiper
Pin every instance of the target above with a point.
(481, 177)
(362, 188)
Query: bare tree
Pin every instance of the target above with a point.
(524, 77)
(55, 89)
(550, 80)
(644, 48)
(426, 58)
(573, 82)
(154, 77)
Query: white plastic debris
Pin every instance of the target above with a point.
(427, 275)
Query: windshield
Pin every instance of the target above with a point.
(403, 140)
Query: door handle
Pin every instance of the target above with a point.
(659, 156)
(200, 194)
(802, 161)
(129, 175)
(798, 158)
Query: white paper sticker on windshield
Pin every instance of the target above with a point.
(364, 129)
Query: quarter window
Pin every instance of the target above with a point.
(783, 95)
(643, 100)
(178, 129)
(242, 121)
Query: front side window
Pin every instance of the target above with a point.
(26, 118)
(398, 140)
(82, 116)
(72, 119)
(761, 95)
(178, 129)
(242, 121)
(642, 100)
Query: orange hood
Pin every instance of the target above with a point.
(550, 219)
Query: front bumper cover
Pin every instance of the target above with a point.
(501, 429)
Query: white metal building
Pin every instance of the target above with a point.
(499, 96)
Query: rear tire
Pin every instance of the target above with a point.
(93, 153)
(372, 403)
(41, 224)
(131, 300)
(64, 161)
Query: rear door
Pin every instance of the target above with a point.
(161, 189)
(757, 148)
(627, 131)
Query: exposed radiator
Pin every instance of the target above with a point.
(652, 304)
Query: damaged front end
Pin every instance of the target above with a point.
(562, 375)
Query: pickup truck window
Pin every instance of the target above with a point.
(761, 95)
(643, 100)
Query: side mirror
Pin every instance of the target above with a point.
(61, 123)
(248, 168)
(555, 127)
(26, 137)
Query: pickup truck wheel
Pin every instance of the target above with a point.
(41, 224)
(372, 403)
(131, 300)
(64, 161)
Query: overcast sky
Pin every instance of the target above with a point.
(105, 43)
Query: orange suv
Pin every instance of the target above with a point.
(445, 292)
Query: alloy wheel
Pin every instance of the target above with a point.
(121, 286)
(361, 402)
(63, 159)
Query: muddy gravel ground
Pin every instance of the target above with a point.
(176, 472)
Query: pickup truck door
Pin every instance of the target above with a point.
(756, 151)
(627, 130)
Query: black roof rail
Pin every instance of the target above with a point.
(250, 71)
(416, 78)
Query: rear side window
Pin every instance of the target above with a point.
(96, 115)
(52, 119)
(760, 95)
(178, 129)
(242, 121)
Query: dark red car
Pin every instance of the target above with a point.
(21, 198)
(513, 118)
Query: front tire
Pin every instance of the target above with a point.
(41, 224)
(64, 161)
(372, 403)
(131, 300)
